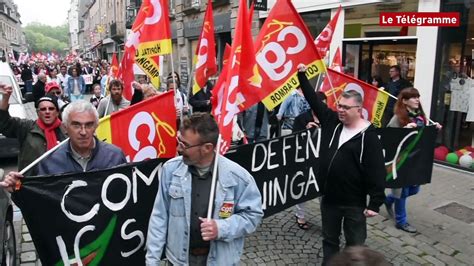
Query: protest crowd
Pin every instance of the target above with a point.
(206, 204)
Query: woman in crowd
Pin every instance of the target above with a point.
(76, 85)
(408, 114)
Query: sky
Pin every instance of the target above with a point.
(49, 12)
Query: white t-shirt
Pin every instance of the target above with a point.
(348, 133)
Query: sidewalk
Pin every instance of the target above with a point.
(441, 239)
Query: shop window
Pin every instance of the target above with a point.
(453, 93)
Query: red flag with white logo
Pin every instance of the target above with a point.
(284, 42)
(146, 130)
(325, 37)
(205, 56)
(238, 92)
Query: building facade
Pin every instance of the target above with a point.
(12, 39)
(101, 27)
(73, 23)
(436, 60)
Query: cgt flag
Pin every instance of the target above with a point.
(325, 37)
(146, 130)
(283, 42)
(237, 90)
(375, 100)
(205, 57)
(151, 37)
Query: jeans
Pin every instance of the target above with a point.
(352, 220)
(400, 203)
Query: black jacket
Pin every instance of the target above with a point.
(199, 100)
(349, 173)
(38, 91)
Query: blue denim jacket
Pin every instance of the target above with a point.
(169, 226)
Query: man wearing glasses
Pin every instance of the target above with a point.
(178, 228)
(351, 167)
(83, 152)
(34, 136)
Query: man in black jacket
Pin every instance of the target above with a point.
(201, 101)
(394, 86)
(351, 167)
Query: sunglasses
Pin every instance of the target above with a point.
(44, 109)
(56, 92)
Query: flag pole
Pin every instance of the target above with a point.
(176, 90)
(330, 82)
(214, 178)
(35, 162)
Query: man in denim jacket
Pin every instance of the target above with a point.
(177, 225)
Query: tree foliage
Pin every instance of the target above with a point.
(45, 38)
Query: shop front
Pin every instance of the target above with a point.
(453, 93)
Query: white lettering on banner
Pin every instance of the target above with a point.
(131, 185)
(111, 205)
(262, 154)
(133, 234)
(149, 151)
(202, 58)
(273, 194)
(148, 180)
(298, 147)
(78, 218)
(254, 157)
(157, 11)
(280, 53)
(77, 239)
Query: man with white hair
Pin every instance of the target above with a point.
(83, 152)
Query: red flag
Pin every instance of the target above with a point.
(114, 67)
(205, 56)
(335, 65)
(146, 130)
(283, 42)
(218, 90)
(325, 37)
(238, 92)
(125, 72)
(151, 37)
(375, 99)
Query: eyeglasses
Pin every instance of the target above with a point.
(185, 146)
(79, 126)
(44, 109)
(346, 107)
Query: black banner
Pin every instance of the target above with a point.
(409, 155)
(284, 168)
(102, 217)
